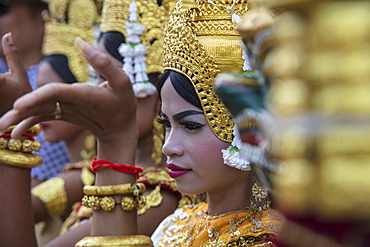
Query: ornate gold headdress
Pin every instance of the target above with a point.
(70, 19)
(199, 43)
(116, 13)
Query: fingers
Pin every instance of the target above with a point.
(45, 98)
(13, 58)
(23, 126)
(103, 64)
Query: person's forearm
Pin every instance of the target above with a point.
(116, 222)
(16, 216)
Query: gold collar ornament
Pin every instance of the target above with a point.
(200, 42)
(69, 19)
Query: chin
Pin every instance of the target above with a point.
(185, 189)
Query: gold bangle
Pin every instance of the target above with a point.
(34, 130)
(116, 241)
(108, 203)
(53, 194)
(26, 146)
(114, 189)
(19, 159)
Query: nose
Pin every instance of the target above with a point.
(172, 145)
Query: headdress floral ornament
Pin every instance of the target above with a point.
(232, 156)
(134, 53)
(70, 19)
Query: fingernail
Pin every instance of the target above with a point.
(9, 38)
(11, 141)
(87, 50)
(80, 42)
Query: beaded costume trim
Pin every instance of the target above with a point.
(192, 226)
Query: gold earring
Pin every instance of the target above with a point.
(260, 199)
(158, 138)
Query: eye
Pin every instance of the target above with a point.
(191, 125)
(164, 122)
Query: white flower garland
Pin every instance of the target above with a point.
(133, 52)
(232, 156)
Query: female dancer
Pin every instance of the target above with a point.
(237, 211)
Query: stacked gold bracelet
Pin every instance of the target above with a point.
(18, 153)
(26, 146)
(93, 201)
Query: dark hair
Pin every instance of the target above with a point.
(182, 85)
(35, 6)
(60, 65)
(111, 41)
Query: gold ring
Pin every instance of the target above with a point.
(57, 111)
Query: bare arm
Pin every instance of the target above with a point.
(15, 199)
(108, 111)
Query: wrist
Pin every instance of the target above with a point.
(120, 148)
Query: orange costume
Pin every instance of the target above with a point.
(192, 226)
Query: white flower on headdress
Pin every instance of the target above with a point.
(133, 53)
(232, 156)
(144, 89)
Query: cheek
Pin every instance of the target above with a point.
(207, 150)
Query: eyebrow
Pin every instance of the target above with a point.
(183, 114)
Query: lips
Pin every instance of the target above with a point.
(44, 126)
(176, 171)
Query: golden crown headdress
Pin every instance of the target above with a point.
(199, 43)
(70, 19)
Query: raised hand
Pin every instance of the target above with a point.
(107, 110)
(14, 83)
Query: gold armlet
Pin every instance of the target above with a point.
(116, 241)
(114, 189)
(52, 193)
(19, 159)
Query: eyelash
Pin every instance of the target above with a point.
(191, 125)
(164, 122)
(188, 125)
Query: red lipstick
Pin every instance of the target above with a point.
(176, 171)
(44, 126)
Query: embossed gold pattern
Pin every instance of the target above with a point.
(68, 20)
(200, 43)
